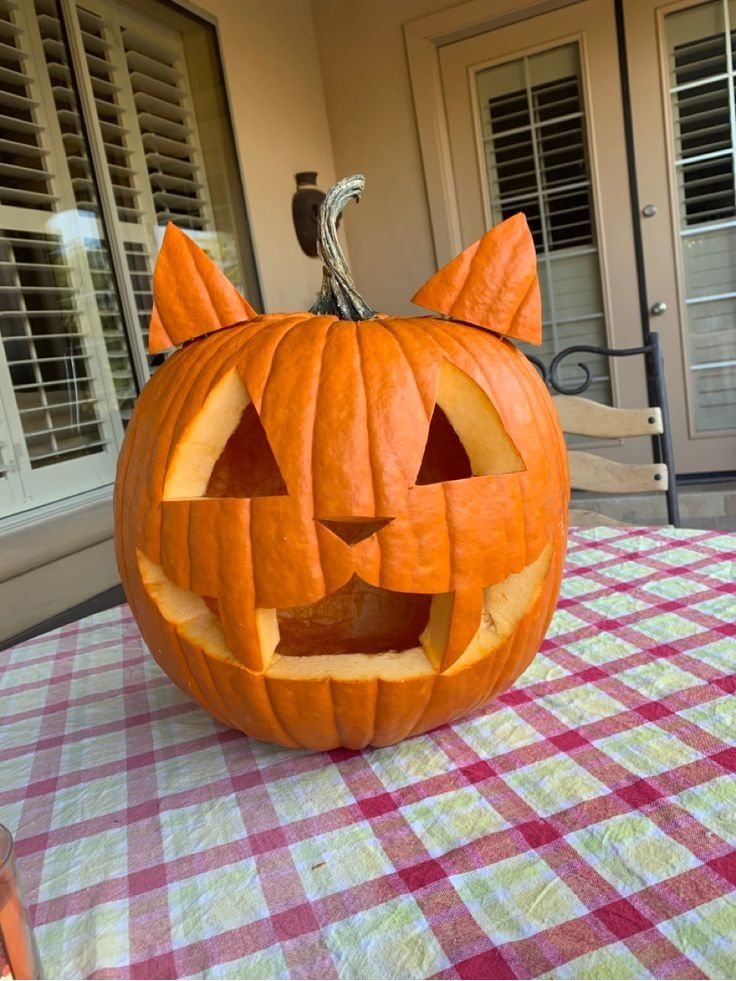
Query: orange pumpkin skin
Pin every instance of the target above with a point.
(492, 284)
(345, 406)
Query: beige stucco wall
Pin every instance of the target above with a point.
(371, 116)
(273, 75)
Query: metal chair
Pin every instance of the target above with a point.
(584, 417)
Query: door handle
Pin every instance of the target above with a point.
(658, 308)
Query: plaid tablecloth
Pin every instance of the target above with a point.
(583, 825)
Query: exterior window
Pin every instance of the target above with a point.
(700, 42)
(113, 122)
(535, 149)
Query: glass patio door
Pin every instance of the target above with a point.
(536, 125)
(681, 60)
(535, 116)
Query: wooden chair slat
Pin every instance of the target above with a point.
(595, 473)
(582, 518)
(587, 418)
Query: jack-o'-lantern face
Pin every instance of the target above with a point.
(335, 532)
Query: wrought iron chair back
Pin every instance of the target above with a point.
(656, 424)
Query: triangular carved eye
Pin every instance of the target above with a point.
(445, 457)
(466, 437)
(247, 466)
(224, 451)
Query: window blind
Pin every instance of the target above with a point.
(535, 147)
(164, 117)
(83, 185)
(59, 430)
(25, 178)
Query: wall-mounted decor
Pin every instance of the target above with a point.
(305, 206)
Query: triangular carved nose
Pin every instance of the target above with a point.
(354, 530)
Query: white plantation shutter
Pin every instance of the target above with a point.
(85, 195)
(84, 200)
(535, 147)
(162, 104)
(61, 431)
(146, 117)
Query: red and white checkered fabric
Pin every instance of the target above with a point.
(582, 825)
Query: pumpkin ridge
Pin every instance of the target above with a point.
(286, 328)
(499, 665)
(345, 726)
(121, 479)
(181, 394)
(372, 461)
(172, 396)
(394, 327)
(532, 387)
(418, 325)
(370, 435)
(421, 707)
(521, 309)
(393, 468)
(309, 424)
(189, 549)
(303, 334)
(374, 712)
(514, 250)
(273, 689)
(374, 456)
(504, 352)
(511, 356)
(526, 625)
(388, 325)
(450, 533)
(546, 602)
(205, 359)
(310, 429)
(277, 730)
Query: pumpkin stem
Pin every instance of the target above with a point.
(338, 295)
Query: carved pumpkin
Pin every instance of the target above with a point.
(336, 528)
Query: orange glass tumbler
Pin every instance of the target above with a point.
(18, 952)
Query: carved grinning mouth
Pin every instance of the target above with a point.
(400, 631)
(356, 619)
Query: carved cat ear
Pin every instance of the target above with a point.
(191, 295)
(492, 284)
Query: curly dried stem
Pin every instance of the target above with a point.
(338, 295)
